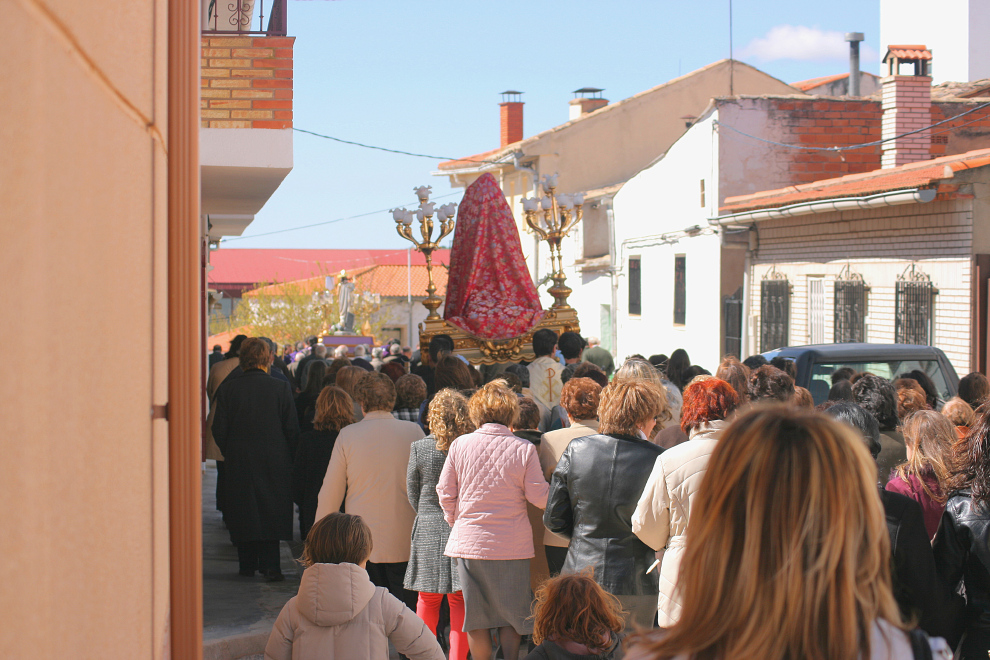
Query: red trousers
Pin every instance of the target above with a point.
(428, 609)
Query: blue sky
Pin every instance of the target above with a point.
(425, 77)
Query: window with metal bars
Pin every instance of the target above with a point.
(732, 308)
(914, 308)
(850, 310)
(680, 290)
(775, 312)
(635, 287)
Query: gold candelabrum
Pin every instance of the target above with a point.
(552, 217)
(403, 225)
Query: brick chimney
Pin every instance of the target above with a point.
(511, 109)
(907, 105)
(586, 99)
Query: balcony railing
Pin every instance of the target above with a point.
(243, 16)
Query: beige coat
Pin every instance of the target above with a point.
(661, 517)
(218, 374)
(553, 445)
(339, 614)
(367, 473)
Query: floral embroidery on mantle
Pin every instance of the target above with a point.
(489, 291)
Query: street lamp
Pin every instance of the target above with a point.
(552, 217)
(403, 225)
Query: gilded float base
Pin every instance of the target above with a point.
(486, 351)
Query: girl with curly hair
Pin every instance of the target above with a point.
(575, 618)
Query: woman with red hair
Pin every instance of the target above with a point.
(661, 517)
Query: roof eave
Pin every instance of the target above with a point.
(917, 195)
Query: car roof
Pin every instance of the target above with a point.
(856, 352)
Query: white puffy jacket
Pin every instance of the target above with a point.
(661, 517)
(339, 614)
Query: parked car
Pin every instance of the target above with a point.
(816, 363)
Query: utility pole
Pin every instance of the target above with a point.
(409, 293)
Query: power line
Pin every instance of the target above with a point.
(851, 147)
(326, 222)
(393, 151)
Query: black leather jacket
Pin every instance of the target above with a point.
(962, 552)
(920, 593)
(593, 493)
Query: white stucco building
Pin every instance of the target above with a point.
(678, 278)
(955, 31)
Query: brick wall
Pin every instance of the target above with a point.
(840, 122)
(827, 123)
(879, 244)
(961, 133)
(246, 82)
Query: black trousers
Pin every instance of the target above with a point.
(258, 556)
(220, 477)
(391, 576)
(555, 558)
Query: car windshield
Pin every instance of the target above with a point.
(821, 374)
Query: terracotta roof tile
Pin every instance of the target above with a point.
(908, 52)
(914, 175)
(811, 83)
(477, 159)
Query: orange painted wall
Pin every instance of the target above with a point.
(84, 542)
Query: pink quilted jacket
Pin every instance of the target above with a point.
(483, 488)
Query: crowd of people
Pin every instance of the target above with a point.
(563, 508)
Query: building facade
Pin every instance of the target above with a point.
(910, 266)
(602, 146)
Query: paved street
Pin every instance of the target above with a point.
(238, 612)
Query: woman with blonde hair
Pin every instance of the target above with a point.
(594, 490)
(960, 414)
(787, 553)
(928, 437)
(636, 368)
(429, 572)
(334, 411)
(488, 477)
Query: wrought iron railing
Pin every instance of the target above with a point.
(245, 17)
(914, 308)
(775, 310)
(732, 309)
(850, 307)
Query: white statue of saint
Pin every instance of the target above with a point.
(345, 297)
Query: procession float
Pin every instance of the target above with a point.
(492, 306)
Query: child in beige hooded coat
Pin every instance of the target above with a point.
(338, 612)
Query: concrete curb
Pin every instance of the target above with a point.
(235, 647)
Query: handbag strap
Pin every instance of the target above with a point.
(920, 647)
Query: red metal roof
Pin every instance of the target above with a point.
(247, 267)
(908, 52)
(386, 280)
(914, 175)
